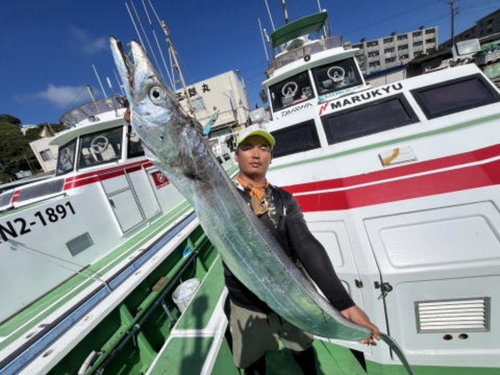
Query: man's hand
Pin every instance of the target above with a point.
(356, 315)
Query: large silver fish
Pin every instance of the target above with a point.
(175, 143)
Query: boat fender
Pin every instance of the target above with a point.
(307, 57)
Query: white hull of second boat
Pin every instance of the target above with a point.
(410, 218)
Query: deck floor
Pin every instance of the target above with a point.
(332, 359)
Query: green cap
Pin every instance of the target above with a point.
(255, 130)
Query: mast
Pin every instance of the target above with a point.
(285, 11)
(177, 75)
(265, 38)
(100, 84)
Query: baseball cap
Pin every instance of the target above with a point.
(255, 130)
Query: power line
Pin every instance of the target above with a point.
(390, 18)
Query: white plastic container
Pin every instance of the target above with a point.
(184, 293)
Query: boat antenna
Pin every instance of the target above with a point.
(265, 37)
(285, 11)
(133, 23)
(100, 84)
(110, 85)
(176, 67)
(174, 63)
(326, 26)
(269, 13)
(153, 30)
(119, 84)
(135, 18)
(144, 32)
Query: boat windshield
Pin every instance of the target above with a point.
(66, 158)
(330, 80)
(291, 91)
(337, 76)
(100, 147)
(90, 110)
(94, 149)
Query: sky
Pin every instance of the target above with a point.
(52, 49)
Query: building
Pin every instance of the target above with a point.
(486, 33)
(384, 77)
(395, 50)
(46, 154)
(486, 26)
(225, 95)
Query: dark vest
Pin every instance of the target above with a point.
(239, 294)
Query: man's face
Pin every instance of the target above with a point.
(253, 157)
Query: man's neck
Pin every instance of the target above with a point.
(253, 180)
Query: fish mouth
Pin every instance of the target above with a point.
(124, 64)
(132, 67)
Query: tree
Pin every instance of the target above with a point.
(10, 119)
(15, 152)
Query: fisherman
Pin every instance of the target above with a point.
(255, 328)
(134, 147)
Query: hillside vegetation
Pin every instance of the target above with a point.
(15, 152)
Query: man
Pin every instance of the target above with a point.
(254, 327)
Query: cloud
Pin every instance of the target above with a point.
(85, 44)
(61, 96)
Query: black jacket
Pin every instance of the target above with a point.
(298, 242)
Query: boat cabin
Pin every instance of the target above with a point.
(309, 71)
(93, 140)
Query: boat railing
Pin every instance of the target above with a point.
(308, 49)
(91, 111)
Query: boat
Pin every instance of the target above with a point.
(399, 182)
(101, 225)
(105, 233)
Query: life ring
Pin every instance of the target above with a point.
(307, 58)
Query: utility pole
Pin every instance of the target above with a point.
(454, 12)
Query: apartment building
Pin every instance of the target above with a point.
(484, 27)
(396, 49)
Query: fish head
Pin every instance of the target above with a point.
(156, 114)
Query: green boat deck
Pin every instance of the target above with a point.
(200, 344)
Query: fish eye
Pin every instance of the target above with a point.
(156, 94)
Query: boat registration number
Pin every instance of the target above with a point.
(22, 225)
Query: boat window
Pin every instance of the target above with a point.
(455, 96)
(5, 198)
(291, 91)
(134, 147)
(66, 158)
(375, 117)
(101, 147)
(297, 138)
(336, 76)
(40, 190)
